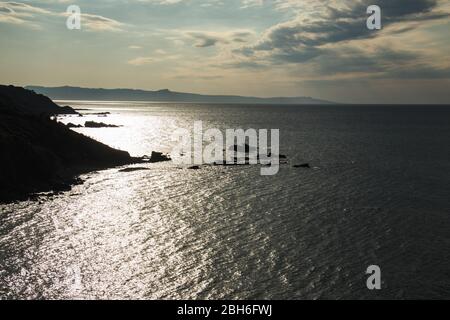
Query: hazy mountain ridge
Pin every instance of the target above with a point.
(165, 95)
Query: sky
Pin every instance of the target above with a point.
(317, 48)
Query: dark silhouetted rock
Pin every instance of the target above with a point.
(40, 154)
(23, 101)
(304, 165)
(281, 156)
(93, 124)
(71, 125)
(194, 168)
(159, 157)
(133, 169)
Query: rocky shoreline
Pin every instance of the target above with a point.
(41, 155)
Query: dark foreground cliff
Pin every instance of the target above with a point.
(23, 101)
(39, 154)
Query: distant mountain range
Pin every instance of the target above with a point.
(76, 93)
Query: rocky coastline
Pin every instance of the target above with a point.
(40, 154)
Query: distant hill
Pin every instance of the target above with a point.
(75, 93)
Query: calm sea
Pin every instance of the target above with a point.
(378, 194)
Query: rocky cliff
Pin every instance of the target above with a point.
(39, 154)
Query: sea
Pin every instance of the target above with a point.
(377, 194)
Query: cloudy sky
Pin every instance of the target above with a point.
(318, 48)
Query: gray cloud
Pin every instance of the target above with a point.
(337, 25)
(209, 39)
(308, 39)
(352, 60)
(419, 72)
(204, 41)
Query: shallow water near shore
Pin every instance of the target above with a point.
(378, 195)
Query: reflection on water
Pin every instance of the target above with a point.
(379, 195)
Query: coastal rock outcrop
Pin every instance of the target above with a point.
(158, 157)
(38, 153)
(93, 124)
(23, 101)
(71, 125)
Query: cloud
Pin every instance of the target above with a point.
(251, 3)
(139, 61)
(21, 9)
(162, 2)
(20, 14)
(32, 16)
(344, 24)
(156, 57)
(365, 62)
(333, 38)
(204, 39)
(99, 23)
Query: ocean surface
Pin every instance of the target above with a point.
(378, 194)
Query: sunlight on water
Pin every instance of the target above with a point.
(227, 232)
(137, 134)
